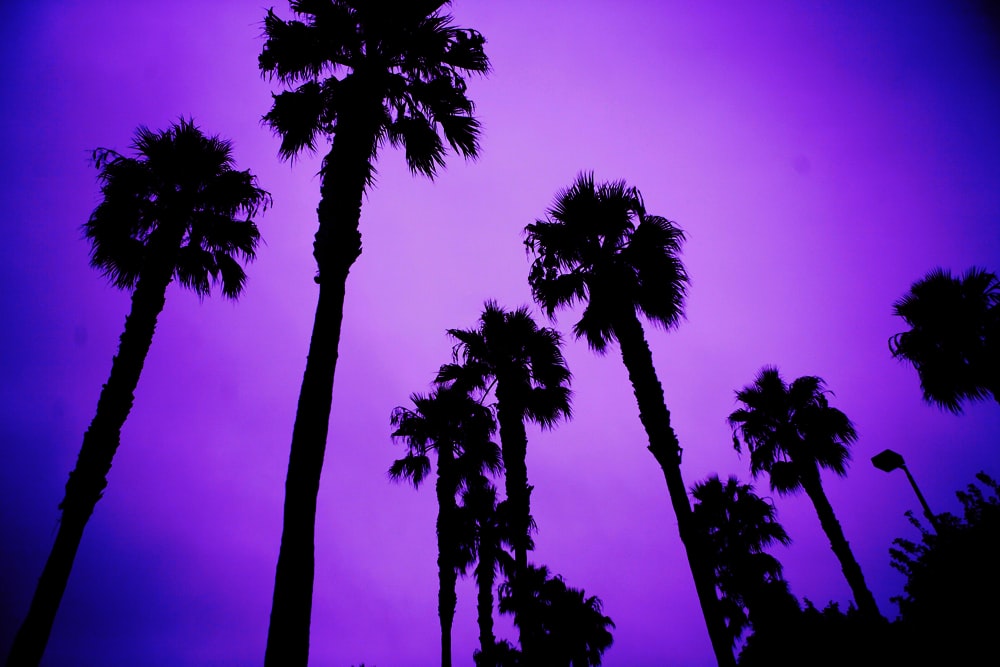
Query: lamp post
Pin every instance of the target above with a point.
(888, 461)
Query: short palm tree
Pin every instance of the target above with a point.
(177, 210)
(361, 74)
(458, 429)
(570, 628)
(599, 247)
(739, 526)
(954, 336)
(523, 363)
(487, 534)
(791, 431)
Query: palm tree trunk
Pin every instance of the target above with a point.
(514, 448)
(838, 543)
(485, 574)
(90, 476)
(664, 446)
(447, 577)
(337, 246)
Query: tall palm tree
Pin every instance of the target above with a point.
(458, 429)
(791, 431)
(177, 210)
(739, 526)
(523, 363)
(570, 628)
(954, 336)
(360, 74)
(598, 246)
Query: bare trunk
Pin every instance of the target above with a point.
(666, 450)
(514, 446)
(447, 577)
(838, 543)
(90, 476)
(337, 246)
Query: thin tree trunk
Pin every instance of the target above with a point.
(838, 543)
(514, 446)
(337, 246)
(447, 577)
(90, 476)
(664, 446)
(485, 576)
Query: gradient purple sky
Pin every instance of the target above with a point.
(820, 156)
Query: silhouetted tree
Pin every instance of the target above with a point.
(361, 74)
(486, 534)
(954, 336)
(825, 637)
(598, 246)
(739, 525)
(947, 611)
(791, 432)
(177, 210)
(568, 628)
(524, 364)
(458, 429)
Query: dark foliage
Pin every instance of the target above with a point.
(954, 336)
(568, 629)
(738, 526)
(947, 611)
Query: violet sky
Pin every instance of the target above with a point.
(821, 156)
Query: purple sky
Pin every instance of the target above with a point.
(820, 156)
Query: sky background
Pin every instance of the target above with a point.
(820, 157)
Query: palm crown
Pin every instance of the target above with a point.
(508, 348)
(400, 63)
(179, 203)
(790, 429)
(954, 336)
(451, 423)
(598, 245)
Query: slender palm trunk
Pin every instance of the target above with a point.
(664, 446)
(514, 448)
(337, 246)
(838, 543)
(447, 576)
(90, 476)
(485, 578)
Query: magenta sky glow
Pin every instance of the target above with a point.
(820, 157)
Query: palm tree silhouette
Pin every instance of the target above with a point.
(791, 432)
(569, 628)
(458, 429)
(177, 210)
(524, 363)
(361, 74)
(486, 535)
(739, 525)
(598, 246)
(954, 336)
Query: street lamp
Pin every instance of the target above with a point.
(888, 461)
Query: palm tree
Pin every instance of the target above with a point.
(739, 525)
(458, 429)
(954, 336)
(570, 629)
(524, 363)
(360, 74)
(487, 533)
(598, 246)
(791, 432)
(177, 210)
